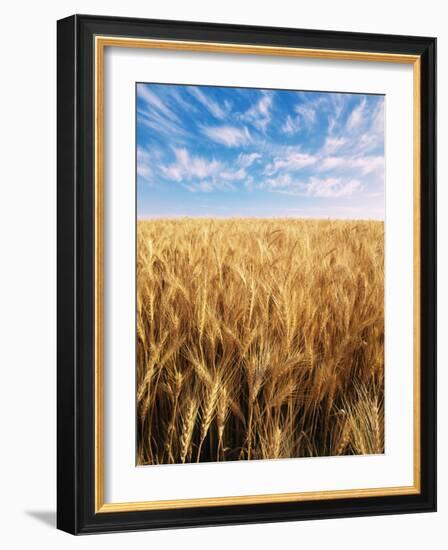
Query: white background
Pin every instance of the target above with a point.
(27, 274)
(123, 481)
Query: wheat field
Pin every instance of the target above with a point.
(259, 339)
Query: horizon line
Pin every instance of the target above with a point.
(323, 218)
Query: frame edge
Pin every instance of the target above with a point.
(67, 463)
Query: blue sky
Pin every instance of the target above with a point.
(236, 152)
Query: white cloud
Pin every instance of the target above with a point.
(364, 164)
(333, 144)
(155, 102)
(247, 159)
(228, 135)
(188, 166)
(362, 132)
(378, 119)
(290, 159)
(279, 182)
(249, 183)
(265, 103)
(144, 168)
(311, 108)
(239, 174)
(357, 116)
(313, 187)
(307, 113)
(370, 164)
(331, 187)
(162, 124)
(337, 102)
(203, 186)
(332, 123)
(291, 125)
(259, 115)
(209, 186)
(198, 174)
(368, 141)
(212, 106)
(333, 163)
(187, 106)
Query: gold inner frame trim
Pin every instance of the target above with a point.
(101, 42)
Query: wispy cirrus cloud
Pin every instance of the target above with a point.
(247, 159)
(182, 103)
(144, 168)
(365, 164)
(314, 186)
(209, 186)
(357, 116)
(290, 159)
(332, 187)
(259, 115)
(198, 174)
(230, 136)
(155, 103)
(280, 182)
(307, 113)
(234, 175)
(291, 125)
(219, 111)
(333, 144)
(337, 104)
(187, 166)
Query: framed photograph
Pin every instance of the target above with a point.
(246, 274)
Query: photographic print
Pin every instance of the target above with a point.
(260, 274)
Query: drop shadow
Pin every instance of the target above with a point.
(47, 517)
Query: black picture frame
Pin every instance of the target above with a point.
(76, 512)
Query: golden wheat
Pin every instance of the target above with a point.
(259, 338)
